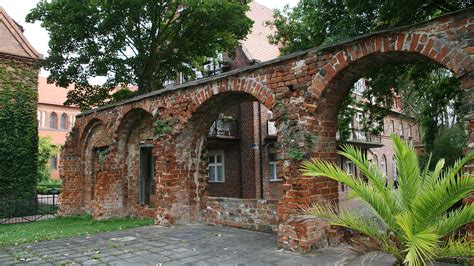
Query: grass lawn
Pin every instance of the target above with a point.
(61, 227)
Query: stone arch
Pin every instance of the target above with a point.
(134, 129)
(191, 157)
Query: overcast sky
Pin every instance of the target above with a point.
(38, 36)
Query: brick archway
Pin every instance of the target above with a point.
(303, 89)
(134, 130)
(190, 150)
(353, 61)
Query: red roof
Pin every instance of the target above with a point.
(50, 93)
(256, 45)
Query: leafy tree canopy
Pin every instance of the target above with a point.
(320, 22)
(143, 43)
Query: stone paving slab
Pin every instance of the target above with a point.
(193, 244)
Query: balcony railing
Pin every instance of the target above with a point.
(224, 127)
(362, 137)
(271, 129)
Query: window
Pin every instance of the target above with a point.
(375, 160)
(53, 120)
(273, 163)
(54, 162)
(394, 171)
(63, 124)
(216, 166)
(383, 165)
(38, 114)
(392, 125)
(409, 132)
(349, 167)
(43, 119)
(146, 174)
(401, 129)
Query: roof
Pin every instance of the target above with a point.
(256, 45)
(12, 40)
(50, 93)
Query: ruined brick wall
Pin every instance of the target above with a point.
(303, 90)
(253, 214)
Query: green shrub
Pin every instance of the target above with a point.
(414, 223)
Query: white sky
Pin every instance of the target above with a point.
(38, 37)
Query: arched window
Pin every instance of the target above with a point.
(394, 171)
(383, 165)
(53, 120)
(375, 159)
(63, 124)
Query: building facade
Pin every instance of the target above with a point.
(55, 120)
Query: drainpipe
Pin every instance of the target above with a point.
(239, 132)
(260, 147)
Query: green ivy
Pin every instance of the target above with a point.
(163, 127)
(18, 128)
(310, 138)
(296, 154)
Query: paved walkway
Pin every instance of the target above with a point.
(154, 245)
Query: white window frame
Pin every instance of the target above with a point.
(273, 171)
(350, 168)
(222, 164)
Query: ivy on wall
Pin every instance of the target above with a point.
(18, 128)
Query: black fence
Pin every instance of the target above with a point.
(16, 209)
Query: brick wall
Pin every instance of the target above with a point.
(253, 214)
(303, 90)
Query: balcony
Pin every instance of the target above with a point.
(363, 139)
(224, 127)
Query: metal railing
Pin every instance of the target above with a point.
(224, 127)
(271, 128)
(16, 209)
(362, 136)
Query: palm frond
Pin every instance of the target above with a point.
(381, 203)
(436, 200)
(346, 219)
(408, 171)
(456, 248)
(455, 219)
(454, 170)
(419, 246)
(360, 160)
(317, 167)
(435, 175)
(373, 174)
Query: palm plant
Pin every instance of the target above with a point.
(413, 222)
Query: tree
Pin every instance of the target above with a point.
(144, 43)
(46, 149)
(411, 223)
(315, 23)
(448, 145)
